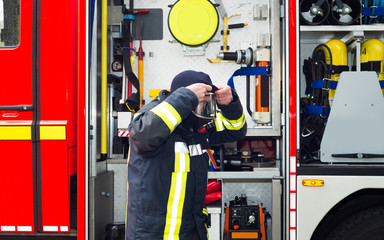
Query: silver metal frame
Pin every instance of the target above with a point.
(275, 129)
(315, 35)
(92, 100)
(86, 123)
(263, 175)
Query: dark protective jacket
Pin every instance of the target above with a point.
(168, 166)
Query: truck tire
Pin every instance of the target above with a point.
(365, 225)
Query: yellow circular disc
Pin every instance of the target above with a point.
(193, 22)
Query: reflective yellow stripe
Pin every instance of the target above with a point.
(205, 211)
(53, 133)
(165, 119)
(180, 205)
(177, 161)
(175, 205)
(182, 157)
(233, 124)
(24, 133)
(168, 114)
(15, 133)
(177, 192)
(219, 123)
(182, 162)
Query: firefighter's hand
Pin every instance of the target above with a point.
(224, 95)
(200, 90)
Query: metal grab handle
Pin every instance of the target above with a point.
(357, 155)
(17, 108)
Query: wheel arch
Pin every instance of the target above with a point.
(353, 203)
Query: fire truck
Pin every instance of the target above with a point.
(309, 75)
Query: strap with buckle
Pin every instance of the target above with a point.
(318, 110)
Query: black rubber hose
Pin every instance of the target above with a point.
(322, 99)
(329, 51)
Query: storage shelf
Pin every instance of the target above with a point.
(340, 28)
(259, 173)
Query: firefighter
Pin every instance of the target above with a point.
(168, 160)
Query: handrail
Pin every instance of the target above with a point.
(20, 108)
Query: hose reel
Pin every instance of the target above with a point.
(333, 12)
(314, 12)
(344, 12)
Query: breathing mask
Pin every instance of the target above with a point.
(206, 112)
(207, 108)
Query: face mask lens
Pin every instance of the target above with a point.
(207, 108)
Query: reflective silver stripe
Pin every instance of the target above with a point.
(195, 150)
(181, 147)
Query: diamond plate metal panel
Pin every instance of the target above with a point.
(256, 191)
